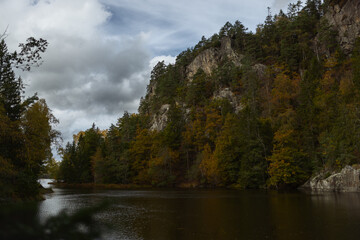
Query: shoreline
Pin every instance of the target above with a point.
(115, 186)
(100, 186)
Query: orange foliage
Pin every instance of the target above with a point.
(284, 168)
(285, 90)
(209, 166)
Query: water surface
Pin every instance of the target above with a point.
(216, 214)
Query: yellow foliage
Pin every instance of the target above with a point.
(213, 123)
(209, 166)
(331, 62)
(194, 133)
(284, 162)
(285, 89)
(77, 136)
(140, 151)
(38, 133)
(347, 87)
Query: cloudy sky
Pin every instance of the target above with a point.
(101, 52)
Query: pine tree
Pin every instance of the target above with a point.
(25, 128)
(10, 87)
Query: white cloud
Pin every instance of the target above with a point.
(167, 60)
(101, 52)
(87, 76)
(176, 25)
(282, 4)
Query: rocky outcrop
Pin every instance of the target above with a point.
(151, 88)
(348, 180)
(206, 60)
(209, 59)
(159, 120)
(344, 16)
(227, 52)
(226, 93)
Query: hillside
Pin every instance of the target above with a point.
(263, 109)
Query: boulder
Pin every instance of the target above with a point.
(347, 180)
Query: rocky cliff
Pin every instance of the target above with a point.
(210, 58)
(159, 120)
(344, 16)
(207, 60)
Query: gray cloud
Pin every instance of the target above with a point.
(101, 51)
(282, 4)
(88, 75)
(89, 71)
(180, 24)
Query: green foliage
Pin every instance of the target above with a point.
(77, 166)
(199, 90)
(51, 169)
(355, 60)
(140, 152)
(26, 132)
(283, 108)
(327, 36)
(172, 132)
(287, 161)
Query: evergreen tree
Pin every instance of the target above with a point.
(26, 130)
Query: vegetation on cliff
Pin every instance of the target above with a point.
(239, 109)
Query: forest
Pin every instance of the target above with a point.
(279, 105)
(296, 112)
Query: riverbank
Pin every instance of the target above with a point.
(99, 186)
(184, 186)
(110, 186)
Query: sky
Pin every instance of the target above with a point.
(101, 52)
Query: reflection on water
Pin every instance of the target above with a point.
(216, 214)
(45, 182)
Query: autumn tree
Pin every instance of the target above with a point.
(140, 152)
(26, 125)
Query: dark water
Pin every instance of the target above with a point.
(217, 214)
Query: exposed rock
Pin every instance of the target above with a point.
(229, 95)
(226, 52)
(159, 120)
(151, 89)
(208, 59)
(348, 180)
(345, 17)
(260, 69)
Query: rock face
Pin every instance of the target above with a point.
(151, 88)
(344, 15)
(159, 120)
(208, 59)
(348, 180)
(229, 95)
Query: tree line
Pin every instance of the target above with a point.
(299, 98)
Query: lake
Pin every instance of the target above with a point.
(216, 214)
